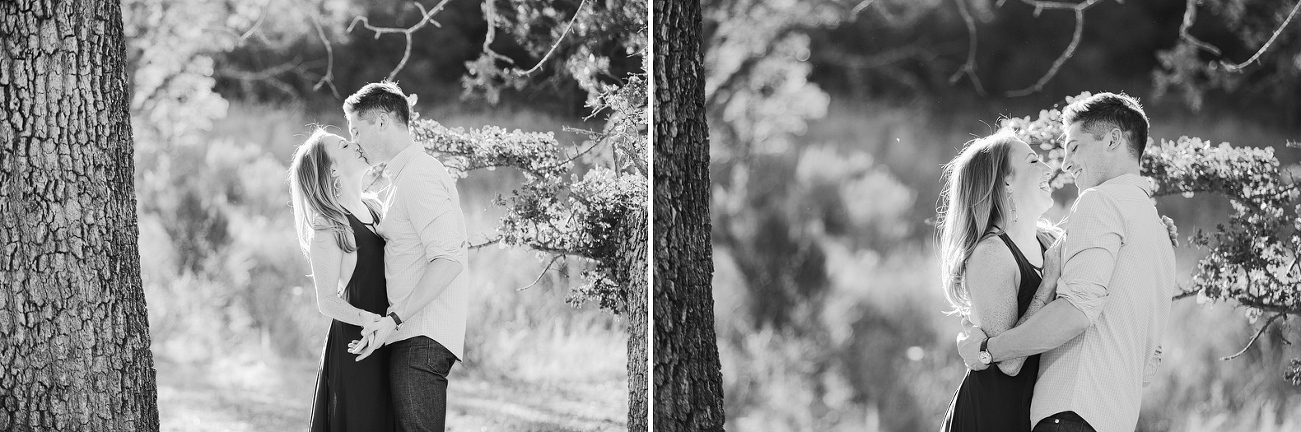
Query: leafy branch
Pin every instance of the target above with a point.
(554, 211)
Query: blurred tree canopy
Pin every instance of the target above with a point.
(772, 63)
(198, 53)
(820, 235)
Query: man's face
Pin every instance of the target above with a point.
(1084, 156)
(365, 133)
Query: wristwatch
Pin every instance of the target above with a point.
(985, 357)
(397, 322)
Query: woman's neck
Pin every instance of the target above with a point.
(1021, 230)
(350, 193)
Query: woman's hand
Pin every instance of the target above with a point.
(357, 346)
(371, 320)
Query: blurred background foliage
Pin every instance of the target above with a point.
(829, 123)
(223, 92)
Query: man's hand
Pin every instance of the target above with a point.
(378, 337)
(1053, 258)
(969, 346)
(375, 324)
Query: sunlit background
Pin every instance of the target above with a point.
(829, 123)
(222, 93)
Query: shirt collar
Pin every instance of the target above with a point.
(401, 160)
(1131, 179)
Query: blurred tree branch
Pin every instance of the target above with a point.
(969, 67)
(554, 258)
(262, 16)
(426, 17)
(1066, 55)
(267, 75)
(1238, 67)
(328, 78)
(557, 44)
(1190, 17)
(1253, 339)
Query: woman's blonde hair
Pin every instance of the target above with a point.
(975, 200)
(312, 191)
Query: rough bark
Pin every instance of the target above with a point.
(688, 376)
(634, 258)
(74, 337)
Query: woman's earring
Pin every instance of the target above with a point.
(1012, 201)
(337, 186)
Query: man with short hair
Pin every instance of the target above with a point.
(1101, 333)
(424, 258)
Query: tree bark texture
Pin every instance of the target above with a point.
(74, 333)
(633, 265)
(688, 376)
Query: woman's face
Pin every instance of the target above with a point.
(1028, 181)
(346, 156)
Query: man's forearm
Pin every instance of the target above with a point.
(439, 274)
(1052, 326)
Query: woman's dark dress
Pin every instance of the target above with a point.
(352, 395)
(989, 400)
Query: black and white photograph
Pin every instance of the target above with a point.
(678, 216)
(977, 215)
(324, 215)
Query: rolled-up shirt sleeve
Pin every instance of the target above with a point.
(1094, 233)
(436, 215)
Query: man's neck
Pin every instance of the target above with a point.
(396, 146)
(1121, 168)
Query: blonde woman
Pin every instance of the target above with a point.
(992, 242)
(336, 229)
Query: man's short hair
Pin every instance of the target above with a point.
(380, 97)
(1101, 112)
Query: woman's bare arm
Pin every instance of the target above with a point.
(992, 280)
(1046, 292)
(327, 259)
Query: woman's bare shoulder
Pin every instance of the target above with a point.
(991, 264)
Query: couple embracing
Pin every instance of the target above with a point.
(1063, 324)
(388, 268)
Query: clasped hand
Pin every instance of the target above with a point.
(969, 345)
(373, 335)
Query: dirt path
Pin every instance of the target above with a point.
(278, 398)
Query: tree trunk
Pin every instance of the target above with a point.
(633, 256)
(74, 334)
(688, 376)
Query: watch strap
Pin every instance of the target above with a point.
(398, 321)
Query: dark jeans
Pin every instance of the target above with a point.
(1063, 422)
(418, 370)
